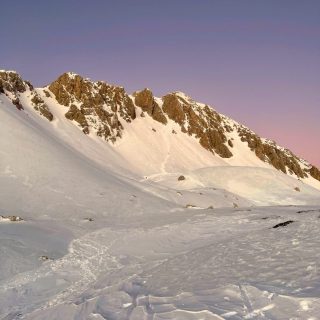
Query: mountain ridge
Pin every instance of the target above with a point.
(105, 110)
(103, 221)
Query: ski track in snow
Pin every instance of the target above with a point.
(167, 156)
(130, 267)
(86, 257)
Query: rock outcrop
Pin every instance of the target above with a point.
(10, 81)
(40, 106)
(95, 106)
(280, 158)
(12, 85)
(145, 100)
(314, 172)
(201, 121)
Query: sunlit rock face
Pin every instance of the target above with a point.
(95, 106)
(12, 85)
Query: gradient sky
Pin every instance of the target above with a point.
(255, 61)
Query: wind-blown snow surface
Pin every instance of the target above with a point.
(101, 241)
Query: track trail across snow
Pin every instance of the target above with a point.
(123, 273)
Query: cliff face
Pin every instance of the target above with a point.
(145, 100)
(12, 85)
(267, 151)
(104, 109)
(198, 120)
(95, 106)
(314, 172)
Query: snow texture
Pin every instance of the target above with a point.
(109, 232)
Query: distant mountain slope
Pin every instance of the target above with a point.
(151, 135)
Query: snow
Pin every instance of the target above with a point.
(161, 151)
(312, 182)
(126, 240)
(71, 74)
(217, 265)
(8, 71)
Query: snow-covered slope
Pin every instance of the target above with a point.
(263, 186)
(149, 224)
(148, 151)
(168, 134)
(40, 173)
(149, 135)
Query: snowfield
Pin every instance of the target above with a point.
(108, 235)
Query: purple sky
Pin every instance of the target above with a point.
(255, 61)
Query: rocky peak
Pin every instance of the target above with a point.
(95, 106)
(13, 86)
(70, 87)
(145, 100)
(12, 82)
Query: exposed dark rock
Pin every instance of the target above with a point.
(203, 122)
(173, 108)
(282, 224)
(100, 105)
(75, 114)
(181, 178)
(47, 93)
(12, 218)
(17, 103)
(12, 82)
(40, 106)
(28, 83)
(281, 159)
(271, 217)
(314, 172)
(307, 211)
(145, 100)
(36, 100)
